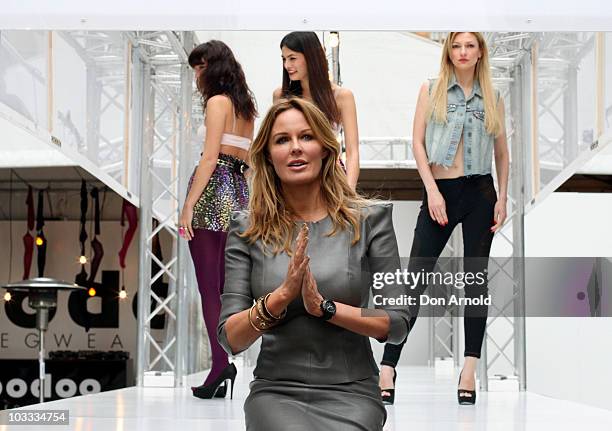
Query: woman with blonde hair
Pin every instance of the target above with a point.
(458, 126)
(298, 267)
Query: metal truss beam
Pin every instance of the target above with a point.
(107, 98)
(167, 87)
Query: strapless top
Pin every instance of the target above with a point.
(226, 139)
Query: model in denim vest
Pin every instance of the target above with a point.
(458, 126)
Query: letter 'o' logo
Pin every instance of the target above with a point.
(16, 388)
(65, 388)
(89, 386)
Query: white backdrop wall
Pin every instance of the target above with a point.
(385, 71)
(569, 358)
(385, 83)
(416, 352)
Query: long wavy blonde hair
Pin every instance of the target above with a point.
(271, 219)
(439, 94)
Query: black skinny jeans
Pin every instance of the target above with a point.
(470, 201)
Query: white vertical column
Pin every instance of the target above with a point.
(184, 165)
(145, 225)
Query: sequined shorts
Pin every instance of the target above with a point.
(225, 192)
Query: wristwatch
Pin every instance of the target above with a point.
(328, 307)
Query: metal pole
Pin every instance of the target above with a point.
(41, 358)
(92, 144)
(534, 141)
(335, 55)
(146, 226)
(456, 338)
(570, 128)
(50, 82)
(519, 167)
(136, 121)
(431, 321)
(483, 367)
(184, 158)
(456, 244)
(126, 114)
(600, 65)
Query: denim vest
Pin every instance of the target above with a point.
(463, 116)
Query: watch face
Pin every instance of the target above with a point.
(329, 306)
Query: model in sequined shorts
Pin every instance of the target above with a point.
(217, 188)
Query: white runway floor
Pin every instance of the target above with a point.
(424, 401)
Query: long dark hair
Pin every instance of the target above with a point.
(307, 43)
(223, 75)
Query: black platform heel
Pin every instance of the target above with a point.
(218, 387)
(462, 395)
(389, 399)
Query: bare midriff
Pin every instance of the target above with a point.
(233, 151)
(455, 170)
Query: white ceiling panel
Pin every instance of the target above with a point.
(441, 15)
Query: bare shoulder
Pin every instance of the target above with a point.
(343, 96)
(343, 93)
(276, 94)
(219, 102)
(425, 87)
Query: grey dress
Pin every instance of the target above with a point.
(311, 374)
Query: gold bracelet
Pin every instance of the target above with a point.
(265, 307)
(261, 312)
(260, 322)
(251, 322)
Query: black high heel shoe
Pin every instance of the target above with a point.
(218, 387)
(462, 395)
(389, 399)
(222, 391)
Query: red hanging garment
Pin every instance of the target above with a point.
(128, 210)
(28, 240)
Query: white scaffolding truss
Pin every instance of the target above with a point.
(140, 82)
(163, 77)
(520, 76)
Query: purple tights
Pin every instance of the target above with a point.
(207, 249)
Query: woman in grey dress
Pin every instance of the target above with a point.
(305, 253)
